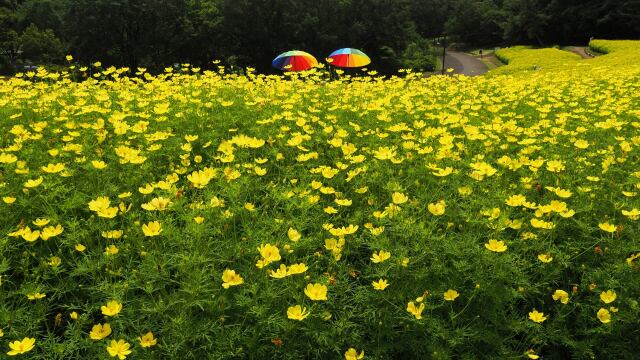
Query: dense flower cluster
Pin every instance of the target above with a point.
(198, 214)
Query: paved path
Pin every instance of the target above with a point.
(582, 51)
(464, 64)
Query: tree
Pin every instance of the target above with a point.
(419, 56)
(125, 32)
(526, 20)
(475, 22)
(21, 41)
(41, 46)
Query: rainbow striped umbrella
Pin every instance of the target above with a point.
(294, 60)
(349, 57)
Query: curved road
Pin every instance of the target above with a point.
(464, 64)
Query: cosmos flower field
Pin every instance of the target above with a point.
(196, 214)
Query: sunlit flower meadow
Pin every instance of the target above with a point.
(197, 214)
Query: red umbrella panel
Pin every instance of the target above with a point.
(294, 60)
(349, 57)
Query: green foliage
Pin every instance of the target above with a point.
(475, 22)
(41, 47)
(155, 33)
(419, 56)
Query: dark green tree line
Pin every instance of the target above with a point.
(395, 33)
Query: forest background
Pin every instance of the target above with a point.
(396, 34)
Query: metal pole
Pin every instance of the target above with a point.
(444, 53)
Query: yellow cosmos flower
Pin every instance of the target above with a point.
(399, 198)
(450, 295)
(146, 190)
(541, 224)
(496, 245)
(112, 234)
(555, 166)
(297, 312)
(280, 273)
(100, 331)
(153, 228)
(343, 202)
(380, 256)
(100, 203)
(119, 348)
(604, 315)
(545, 258)
(157, 204)
(631, 260)
(270, 253)
(581, 144)
(607, 227)
(608, 296)
(230, 278)
(54, 261)
(438, 208)
(532, 354)
(29, 235)
(111, 250)
(147, 340)
(293, 234)
(98, 164)
(247, 141)
(536, 316)
(200, 179)
(40, 222)
(328, 172)
(352, 354)
(404, 262)
(414, 310)
(443, 172)
(316, 292)
(342, 231)
(376, 231)
(33, 182)
(19, 347)
(633, 214)
(561, 295)
(108, 213)
(198, 219)
(516, 200)
(295, 269)
(53, 168)
(381, 284)
(36, 296)
(6, 158)
(112, 308)
(8, 199)
(51, 231)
